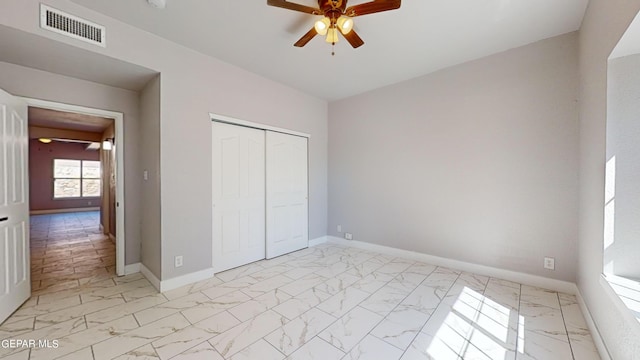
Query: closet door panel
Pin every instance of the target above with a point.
(238, 170)
(287, 193)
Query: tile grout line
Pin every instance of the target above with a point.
(315, 336)
(518, 322)
(564, 322)
(410, 292)
(434, 310)
(337, 319)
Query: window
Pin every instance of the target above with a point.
(76, 178)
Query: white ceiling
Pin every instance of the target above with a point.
(54, 119)
(419, 38)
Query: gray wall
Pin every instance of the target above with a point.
(150, 161)
(623, 148)
(37, 84)
(604, 23)
(193, 85)
(477, 162)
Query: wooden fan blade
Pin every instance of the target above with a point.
(372, 7)
(306, 38)
(353, 39)
(295, 7)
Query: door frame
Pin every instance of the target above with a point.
(251, 124)
(119, 140)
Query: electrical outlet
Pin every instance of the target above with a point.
(178, 261)
(339, 228)
(549, 263)
(145, 175)
(348, 236)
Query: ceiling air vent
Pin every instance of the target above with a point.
(71, 26)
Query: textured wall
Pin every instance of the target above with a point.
(477, 162)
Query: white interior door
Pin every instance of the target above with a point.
(238, 195)
(15, 278)
(287, 194)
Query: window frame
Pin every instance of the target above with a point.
(80, 178)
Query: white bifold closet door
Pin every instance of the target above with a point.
(260, 204)
(238, 195)
(287, 194)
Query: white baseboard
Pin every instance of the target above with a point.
(317, 241)
(595, 333)
(522, 278)
(176, 282)
(149, 275)
(132, 268)
(61, 211)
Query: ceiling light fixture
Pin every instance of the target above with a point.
(336, 15)
(107, 144)
(330, 27)
(45, 140)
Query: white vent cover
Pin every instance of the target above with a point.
(71, 26)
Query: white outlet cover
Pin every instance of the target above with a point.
(178, 261)
(348, 236)
(549, 263)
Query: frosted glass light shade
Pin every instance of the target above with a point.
(345, 24)
(332, 35)
(322, 26)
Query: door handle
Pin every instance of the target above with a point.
(4, 219)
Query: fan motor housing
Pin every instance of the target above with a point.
(332, 6)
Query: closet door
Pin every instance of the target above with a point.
(287, 194)
(238, 195)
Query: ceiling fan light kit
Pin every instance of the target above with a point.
(336, 16)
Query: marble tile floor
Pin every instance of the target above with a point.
(67, 248)
(326, 302)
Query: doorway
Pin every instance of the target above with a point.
(78, 232)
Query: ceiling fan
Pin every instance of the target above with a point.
(336, 16)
